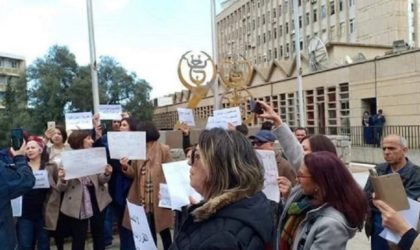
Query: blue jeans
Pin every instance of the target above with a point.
(376, 241)
(109, 219)
(31, 233)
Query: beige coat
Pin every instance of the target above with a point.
(156, 155)
(73, 190)
(52, 202)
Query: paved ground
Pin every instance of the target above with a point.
(359, 242)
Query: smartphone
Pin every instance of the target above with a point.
(16, 136)
(51, 124)
(256, 107)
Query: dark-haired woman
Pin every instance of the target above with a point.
(325, 210)
(147, 175)
(84, 198)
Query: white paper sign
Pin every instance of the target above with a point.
(164, 198)
(230, 115)
(84, 162)
(110, 112)
(130, 144)
(411, 215)
(142, 236)
(16, 206)
(268, 160)
(80, 120)
(177, 176)
(210, 123)
(41, 179)
(186, 115)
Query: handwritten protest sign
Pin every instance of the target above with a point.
(110, 112)
(229, 115)
(187, 116)
(41, 179)
(268, 160)
(140, 227)
(127, 144)
(83, 162)
(80, 120)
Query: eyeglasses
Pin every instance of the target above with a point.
(300, 175)
(257, 143)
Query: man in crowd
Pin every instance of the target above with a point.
(300, 133)
(378, 121)
(395, 154)
(264, 140)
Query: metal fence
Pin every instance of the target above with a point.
(372, 136)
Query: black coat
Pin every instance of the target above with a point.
(244, 224)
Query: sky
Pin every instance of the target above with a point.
(147, 37)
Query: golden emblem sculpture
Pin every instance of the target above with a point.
(235, 73)
(197, 72)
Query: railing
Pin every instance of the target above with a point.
(372, 136)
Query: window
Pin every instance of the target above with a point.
(258, 21)
(269, 54)
(332, 31)
(280, 10)
(275, 33)
(286, 4)
(264, 38)
(258, 40)
(14, 64)
(332, 9)
(280, 30)
(341, 30)
(287, 28)
(253, 24)
(263, 19)
(323, 11)
(351, 23)
(351, 2)
(287, 50)
(269, 35)
(274, 12)
(275, 53)
(281, 50)
(299, 2)
(307, 18)
(300, 21)
(340, 5)
(315, 16)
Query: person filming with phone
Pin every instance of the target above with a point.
(16, 178)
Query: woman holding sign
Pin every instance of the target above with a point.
(84, 198)
(234, 214)
(30, 226)
(147, 174)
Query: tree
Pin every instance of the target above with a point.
(15, 113)
(52, 78)
(116, 86)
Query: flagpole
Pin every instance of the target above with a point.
(215, 57)
(93, 68)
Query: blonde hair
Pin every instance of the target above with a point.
(231, 163)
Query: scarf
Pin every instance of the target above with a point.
(86, 210)
(146, 193)
(295, 215)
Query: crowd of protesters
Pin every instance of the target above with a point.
(320, 205)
